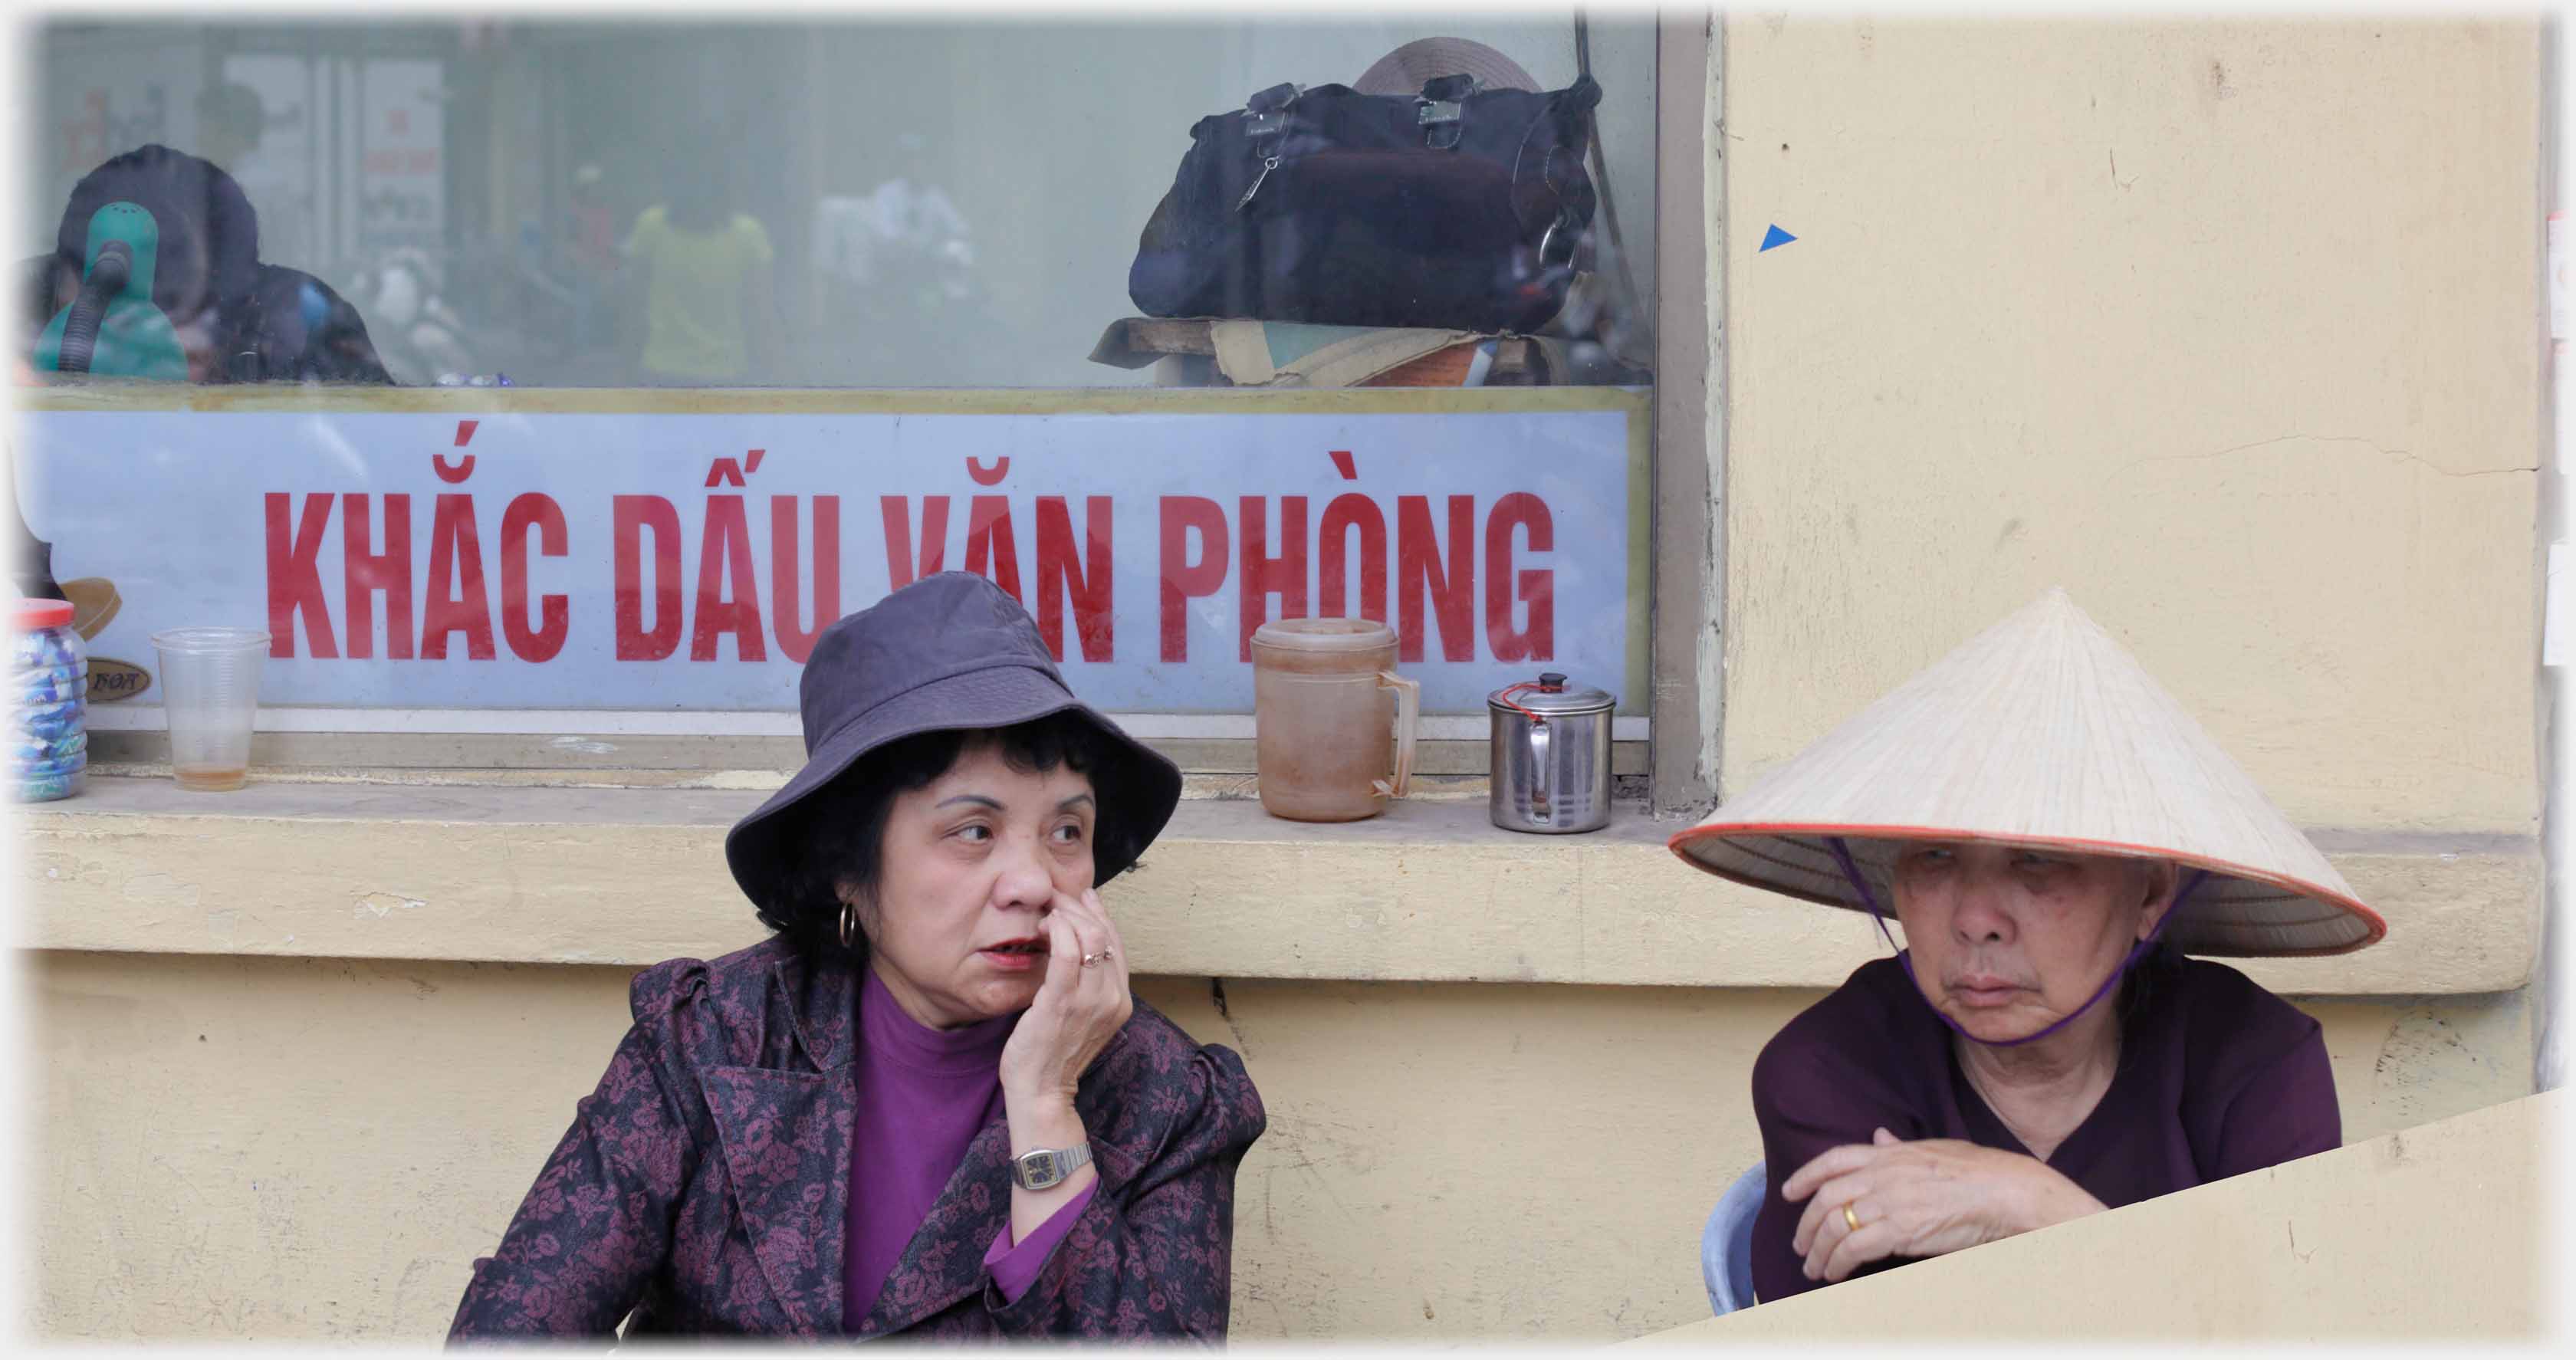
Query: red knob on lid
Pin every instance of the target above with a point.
(28, 614)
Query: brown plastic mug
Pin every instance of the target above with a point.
(1334, 725)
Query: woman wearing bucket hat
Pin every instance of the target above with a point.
(2054, 833)
(928, 1104)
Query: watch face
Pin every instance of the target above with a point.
(1038, 1171)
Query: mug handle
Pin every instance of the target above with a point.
(1408, 724)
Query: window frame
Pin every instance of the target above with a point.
(1685, 653)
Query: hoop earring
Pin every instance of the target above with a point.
(849, 922)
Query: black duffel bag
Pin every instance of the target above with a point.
(1457, 209)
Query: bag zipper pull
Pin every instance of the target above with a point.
(1268, 164)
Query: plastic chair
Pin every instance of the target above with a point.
(1726, 1245)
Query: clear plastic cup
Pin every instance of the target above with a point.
(210, 689)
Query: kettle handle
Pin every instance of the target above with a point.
(1408, 724)
(1542, 802)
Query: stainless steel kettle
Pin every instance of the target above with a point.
(1551, 755)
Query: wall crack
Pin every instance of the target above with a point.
(2373, 446)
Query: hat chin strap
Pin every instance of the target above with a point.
(1842, 854)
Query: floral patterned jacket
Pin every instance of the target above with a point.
(704, 1187)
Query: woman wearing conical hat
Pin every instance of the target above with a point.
(2054, 835)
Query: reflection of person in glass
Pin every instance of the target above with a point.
(915, 240)
(710, 305)
(897, 270)
(156, 274)
(232, 127)
(591, 254)
(230, 123)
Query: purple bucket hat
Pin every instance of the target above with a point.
(948, 651)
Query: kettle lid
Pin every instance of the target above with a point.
(1551, 695)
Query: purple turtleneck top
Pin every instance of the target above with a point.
(923, 1096)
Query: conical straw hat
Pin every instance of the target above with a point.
(2042, 731)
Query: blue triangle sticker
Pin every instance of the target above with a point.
(1775, 237)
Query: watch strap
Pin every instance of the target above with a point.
(1046, 1168)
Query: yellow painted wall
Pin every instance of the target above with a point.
(2232, 329)
(238, 1148)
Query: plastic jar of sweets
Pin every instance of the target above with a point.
(49, 703)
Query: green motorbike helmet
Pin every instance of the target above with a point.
(112, 328)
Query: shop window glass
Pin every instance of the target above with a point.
(503, 366)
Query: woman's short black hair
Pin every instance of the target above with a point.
(838, 832)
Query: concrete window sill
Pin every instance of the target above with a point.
(1431, 891)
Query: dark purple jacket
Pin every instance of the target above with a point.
(2217, 1077)
(705, 1185)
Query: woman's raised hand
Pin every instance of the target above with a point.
(1079, 1008)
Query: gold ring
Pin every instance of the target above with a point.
(1851, 1218)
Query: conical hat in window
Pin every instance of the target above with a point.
(2040, 731)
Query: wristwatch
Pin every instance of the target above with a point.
(1046, 1168)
